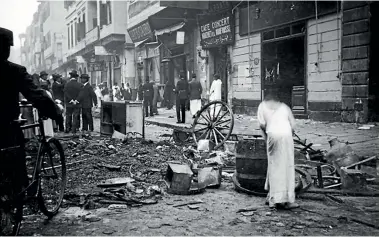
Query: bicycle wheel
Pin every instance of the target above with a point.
(11, 197)
(52, 177)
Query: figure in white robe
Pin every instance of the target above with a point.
(215, 94)
(276, 121)
(99, 96)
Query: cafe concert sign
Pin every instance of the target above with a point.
(216, 29)
(140, 32)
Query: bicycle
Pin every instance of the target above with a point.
(12, 200)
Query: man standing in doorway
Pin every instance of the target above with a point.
(195, 89)
(148, 93)
(87, 98)
(181, 98)
(71, 93)
(215, 93)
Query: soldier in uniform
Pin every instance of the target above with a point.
(14, 80)
(182, 94)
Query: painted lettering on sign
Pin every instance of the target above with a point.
(216, 29)
(140, 32)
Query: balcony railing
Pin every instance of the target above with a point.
(92, 36)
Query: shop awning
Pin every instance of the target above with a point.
(169, 29)
(139, 43)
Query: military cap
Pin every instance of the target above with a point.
(6, 36)
(84, 76)
(74, 73)
(43, 73)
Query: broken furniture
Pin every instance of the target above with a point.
(122, 116)
(179, 180)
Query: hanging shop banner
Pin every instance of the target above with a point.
(140, 32)
(268, 14)
(216, 29)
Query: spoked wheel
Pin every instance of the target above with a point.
(11, 197)
(214, 122)
(52, 177)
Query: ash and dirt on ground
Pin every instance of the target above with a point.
(143, 207)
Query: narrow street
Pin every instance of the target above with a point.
(215, 212)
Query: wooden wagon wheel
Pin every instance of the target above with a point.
(214, 122)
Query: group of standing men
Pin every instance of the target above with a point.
(78, 98)
(185, 91)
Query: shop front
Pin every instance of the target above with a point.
(217, 34)
(291, 49)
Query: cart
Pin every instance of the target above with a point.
(213, 122)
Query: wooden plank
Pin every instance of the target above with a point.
(325, 86)
(324, 56)
(322, 77)
(355, 27)
(324, 106)
(331, 96)
(355, 78)
(355, 52)
(324, 47)
(355, 91)
(355, 65)
(356, 40)
(348, 103)
(330, 25)
(356, 14)
(324, 37)
(353, 4)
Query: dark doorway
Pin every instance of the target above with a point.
(283, 71)
(373, 103)
(220, 55)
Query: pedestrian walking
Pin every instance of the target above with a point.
(156, 97)
(87, 99)
(195, 90)
(58, 95)
(126, 92)
(181, 99)
(148, 93)
(277, 122)
(71, 93)
(215, 94)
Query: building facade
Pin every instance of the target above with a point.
(42, 44)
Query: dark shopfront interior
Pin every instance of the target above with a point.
(283, 66)
(373, 103)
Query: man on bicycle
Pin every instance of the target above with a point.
(14, 80)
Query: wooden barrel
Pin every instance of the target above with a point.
(251, 163)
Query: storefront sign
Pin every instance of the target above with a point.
(268, 14)
(216, 29)
(96, 66)
(140, 32)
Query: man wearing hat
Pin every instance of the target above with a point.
(195, 89)
(182, 94)
(58, 95)
(43, 80)
(14, 80)
(87, 98)
(71, 93)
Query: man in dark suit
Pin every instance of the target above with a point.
(14, 80)
(148, 93)
(182, 94)
(71, 93)
(58, 95)
(87, 98)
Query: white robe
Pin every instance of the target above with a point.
(99, 96)
(215, 94)
(279, 121)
